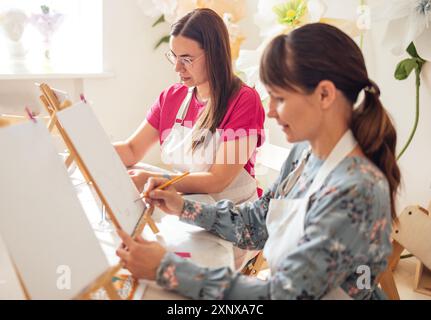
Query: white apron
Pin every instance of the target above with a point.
(176, 151)
(285, 219)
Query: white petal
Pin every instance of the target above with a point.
(423, 44)
(235, 7)
(151, 8)
(416, 26)
(345, 9)
(395, 35)
(266, 19)
(316, 9)
(247, 59)
(183, 7)
(347, 26)
(426, 75)
(390, 10)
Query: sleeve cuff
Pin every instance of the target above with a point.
(178, 274)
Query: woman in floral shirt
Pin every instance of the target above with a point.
(327, 218)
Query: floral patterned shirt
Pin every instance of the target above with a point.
(346, 238)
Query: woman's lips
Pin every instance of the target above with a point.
(284, 127)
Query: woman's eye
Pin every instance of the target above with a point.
(279, 100)
(187, 60)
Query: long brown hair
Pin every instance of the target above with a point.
(316, 52)
(207, 28)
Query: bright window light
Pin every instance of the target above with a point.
(76, 46)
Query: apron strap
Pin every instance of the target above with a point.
(289, 182)
(182, 111)
(343, 147)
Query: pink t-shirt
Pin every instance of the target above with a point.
(245, 115)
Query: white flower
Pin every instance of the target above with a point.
(155, 8)
(327, 11)
(184, 7)
(171, 9)
(174, 9)
(408, 21)
(248, 64)
(236, 37)
(266, 20)
(236, 8)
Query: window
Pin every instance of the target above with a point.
(75, 47)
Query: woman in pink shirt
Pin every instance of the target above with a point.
(210, 124)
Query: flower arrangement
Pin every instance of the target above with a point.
(232, 11)
(276, 17)
(47, 23)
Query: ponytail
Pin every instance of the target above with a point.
(377, 137)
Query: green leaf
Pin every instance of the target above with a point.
(45, 9)
(404, 68)
(164, 39)
(161, 19)
(411, 50)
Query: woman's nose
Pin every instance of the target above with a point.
(178, 66)
(272, 110)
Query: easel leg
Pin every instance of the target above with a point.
(387, 282)
(69, 161)
(395, 256)
(111, 292)
(255, 267)
(152, 225)
(51, 125)
(386, 278)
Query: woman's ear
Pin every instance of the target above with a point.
(326, 93)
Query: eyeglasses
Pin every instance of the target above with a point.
(185, 61)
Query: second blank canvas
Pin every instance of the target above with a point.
(103, 163)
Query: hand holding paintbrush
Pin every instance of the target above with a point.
(159, 191)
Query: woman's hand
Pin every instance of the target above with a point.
(167, 199)
(141, 257)
(139, 178)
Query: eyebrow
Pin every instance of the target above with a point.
(182, 55)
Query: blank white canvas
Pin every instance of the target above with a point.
(42, 221)
(10, 288)
(103, 163)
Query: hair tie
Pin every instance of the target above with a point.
(371, 88)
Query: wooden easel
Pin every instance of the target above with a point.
(3, 123)
(102, 282)
(255, 265)
(53, 105)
